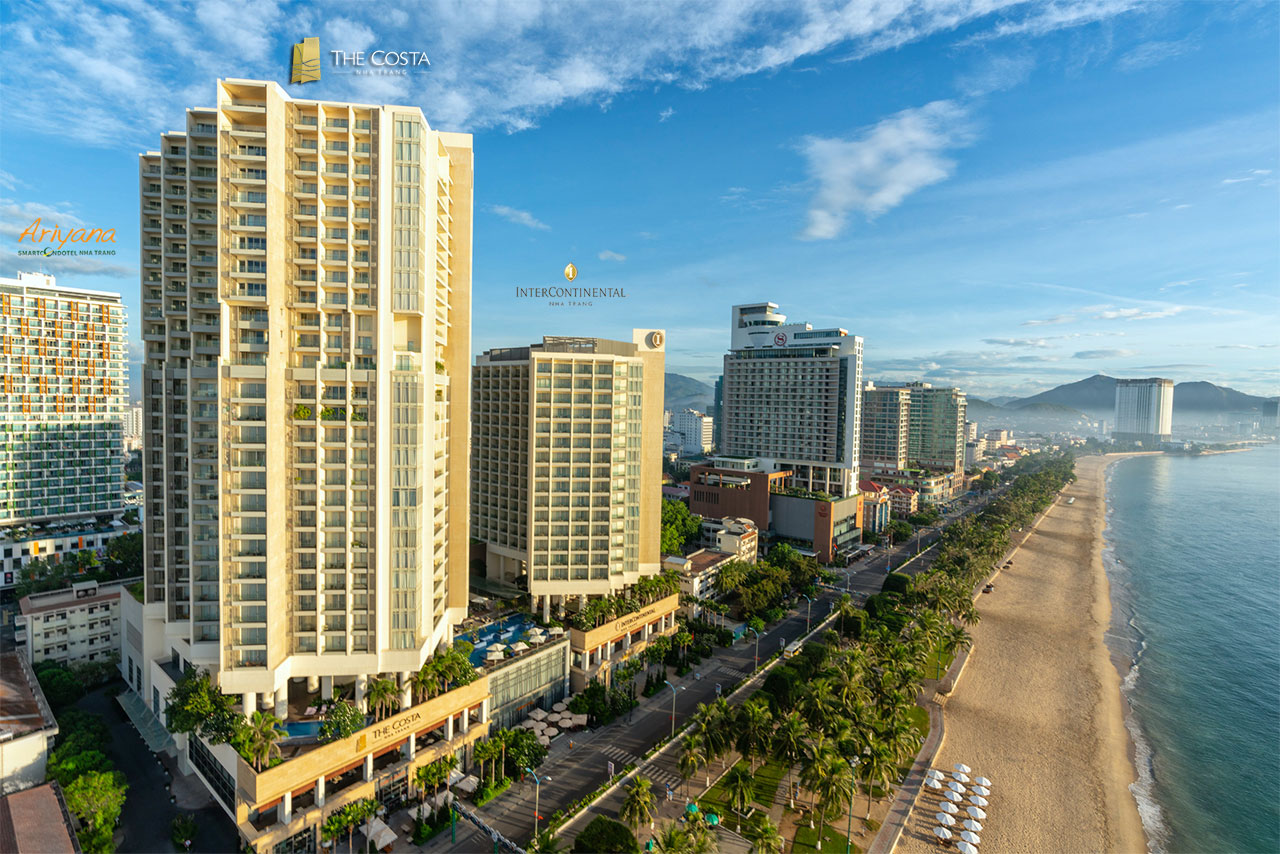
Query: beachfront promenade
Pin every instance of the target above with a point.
(1038, 708)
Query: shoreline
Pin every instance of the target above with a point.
(1040, 708)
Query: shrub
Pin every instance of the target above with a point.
(606, 836)
(896, 582)
(302, 412)
(182, 828)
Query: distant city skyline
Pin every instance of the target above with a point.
(1003, 202)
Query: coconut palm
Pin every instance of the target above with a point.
(693, 755)
(381, 695)
(765, 837)
(638, 805)
(788, 745)
(422, 682)
(738, 786)
(544, 843)
(671, 838)
(954, 639)
(754, 725)
(484, 752)
(424, 777)
(262, 736)
(834, 786)
(877, 768)
(813, 764)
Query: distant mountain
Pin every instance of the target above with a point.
(977, 408)
(681, 392)
(1001, 400)
(1097, 394)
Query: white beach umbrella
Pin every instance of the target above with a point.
(538, 714)
(932, 783)
(559, 707)
(978, 801)
(519, 646)
(544, 741)
(555, 630)
(971, 838)
(976, 812)
(945, 820)
(949, 808)
(962, 768)
(965, 848)
(539, 726)
(956, 787)
(953, 797)
(970, 824)
(934, 774)
(494, 655)
(551, 732)
(980, 790)
(982, 781)
(942, 833)
(963, 778)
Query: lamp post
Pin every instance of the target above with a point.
(757, 634)
(673, 706)
(808, 614)
(537, 791)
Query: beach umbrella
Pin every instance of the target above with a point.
(494, 655)
(544, 741)
(519, 646)
(980, 790)
(982, 781)
(538, 714)
(976, 813)
(965, 848)
(962, 777)
(555, 631)
(971, 838)
(953, 797)
(942, 833)
(956, 787)
(945, 820)
(934, 774)
(559, 707)
(949, 808)
(932, 783)
(978, 800)
(970, 824)
(551, 732)
(962, 768)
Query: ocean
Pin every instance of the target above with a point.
(1193, 558)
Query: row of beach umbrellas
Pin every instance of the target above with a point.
(953, 794)
(537, 636)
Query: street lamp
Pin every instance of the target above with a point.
(853, 789)
(537, 790)
(673, 706)
(757, 634)
(808, 614)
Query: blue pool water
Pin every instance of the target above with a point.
(506, 631)
(298, 729)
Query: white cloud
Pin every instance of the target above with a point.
(495, 63)
(1017, 342)
(520, 217)
(609, 255)
(1103, 354)
(1108, 313)
(7, 181)
(1153, 53)
(1051, 321)
(878, 169)
(666, 114)
(995, 74)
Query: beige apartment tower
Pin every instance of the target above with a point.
(886, 420)
(566, 459)
(306, 293)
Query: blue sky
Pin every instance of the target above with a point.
(1001, 196)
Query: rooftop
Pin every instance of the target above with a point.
(23, 709)
(37, 820)
(79, 595)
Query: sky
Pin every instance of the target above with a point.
(995, 195)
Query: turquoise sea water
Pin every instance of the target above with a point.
(1193, 559)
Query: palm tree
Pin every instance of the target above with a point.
(833, 790)
(638, 805)
(813, 763)
(738, 786)
(701, 839)
(503, 738)
(877, 767)
(819, 704)
(381, 695)
(755, 728)
(485, 752)
(544, 843)
(423, 777)
(446, 764)
(693, 755)
(954, 639)
(422, 681)
(264, 731)
(672, 839)
(765, 838)
(788, 746)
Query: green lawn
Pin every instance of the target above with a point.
(935, 666)
(833, 839)
(717, 799)
(766, 781)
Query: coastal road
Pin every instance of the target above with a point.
(578, 771)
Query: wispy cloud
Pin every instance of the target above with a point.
(7, 181)
(1017, 342)
(1102, 354)
(666, 114)
(1246, 346)
(1109, 313)
(1253, 175)
(1153, 53)
(610, 255)
(875, 171)
(995, 73)
(520, 217)
(1051, 321)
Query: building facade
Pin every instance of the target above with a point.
(73, 625)
(27, 725)
(1144, 410)
(792, 397)
(738, 487)
(697, 431)
(65, 383)
(732, 536)
(306, 285)
(20, 545)
(876, 505)
(566, 464)
(886, 427)
(937, 434)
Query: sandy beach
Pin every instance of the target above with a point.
(1038, 708)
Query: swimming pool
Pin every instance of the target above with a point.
(506, 631)
(302, 729)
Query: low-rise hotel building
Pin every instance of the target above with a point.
(73, 625)
(596, 653)
(699, 573)
(54, 542)
(737, 537)
(27, 725)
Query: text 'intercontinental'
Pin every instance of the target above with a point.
(571, 293)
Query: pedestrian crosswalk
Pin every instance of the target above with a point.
(661, 777)
(732, 671)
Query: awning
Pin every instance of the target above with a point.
(379, 834)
